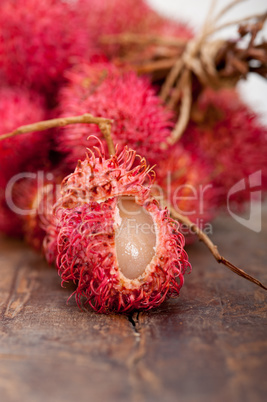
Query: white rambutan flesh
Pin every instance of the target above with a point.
(135, 238)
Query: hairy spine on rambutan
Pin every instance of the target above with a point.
(115, 265)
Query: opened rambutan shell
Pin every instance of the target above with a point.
(139, 119)
(86, 224)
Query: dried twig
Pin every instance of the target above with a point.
(127, 38)
(213, 249)
(103, 124)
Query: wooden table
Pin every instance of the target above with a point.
(208, 345)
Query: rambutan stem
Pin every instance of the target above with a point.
(140, 39)
(106, 130)
(154, 66)
(103, 124)
(185, 108)
(213, 248)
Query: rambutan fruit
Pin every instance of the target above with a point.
(139, 119)
(20, 107)
(121, 250)
(26, 204)
(112, 17)
(185, 182)
(20, 156)
(225, 133)
(44, 194)
(16, 203)
(39, 40)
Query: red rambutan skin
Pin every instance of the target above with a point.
(139, 118)
(84, 231)
(227, 135)
(39, 40)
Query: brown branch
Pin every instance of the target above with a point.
(213, 248)
(155, 66)
(170, 79)
(139, 39)
(106, 130)
(185, 108)
(103, 124)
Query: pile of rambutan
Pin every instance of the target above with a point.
(106, 227)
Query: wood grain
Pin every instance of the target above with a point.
(208, 345)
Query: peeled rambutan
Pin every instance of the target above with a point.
(139, 118)
(121, 250)
(39, 40)
(225, 133)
